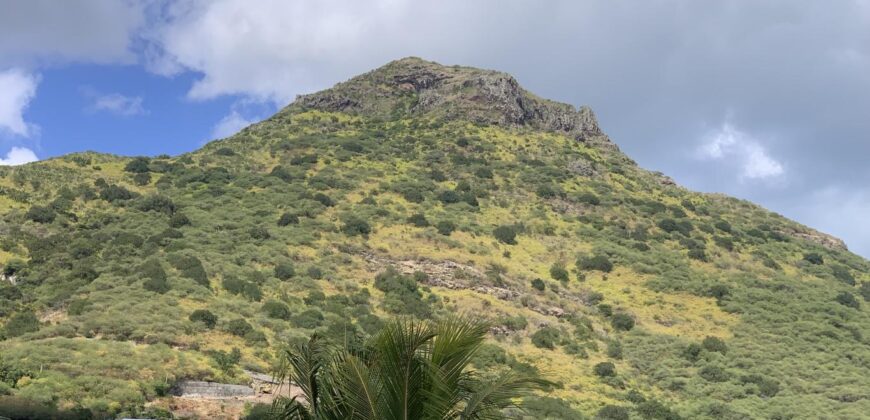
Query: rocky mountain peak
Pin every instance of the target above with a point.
(416, 87)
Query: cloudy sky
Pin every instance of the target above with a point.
(768, 101)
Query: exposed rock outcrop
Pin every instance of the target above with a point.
(413, 87)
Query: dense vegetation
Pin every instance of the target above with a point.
(635, 297)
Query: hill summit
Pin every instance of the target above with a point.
(132, 286)
(417, 88)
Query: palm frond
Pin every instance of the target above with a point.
(488, 399)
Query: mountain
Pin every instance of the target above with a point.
(422, 190)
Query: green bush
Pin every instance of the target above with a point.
(546, 338)
(605, 309)
(288, 219)
(723, 226)
(714, 344)
(612, 412)
(604, 369)
(538, 284)
(401, 294)
(654, 410)
(190, 267)
(158, 203)
(277, 310)
(154, 275)
(506, 234)
(595, 262)
(259, 233)
(178, 220)
(843, 274)
(614, 349)
(622, 321)
(41, 214)
(308, 319)
(21, 323)
(864, 290)
(445, 227)
(814, 258)
(713, 374)
(239, 327)
(355, 226)
(848, 299)
(419, 220)
(138, 165)
(558, 272)
(285, 271)
(205, 317)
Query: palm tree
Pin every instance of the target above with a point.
(409, 370)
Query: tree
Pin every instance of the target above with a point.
(409, 370)
(226, 361)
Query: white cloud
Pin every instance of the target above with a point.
(265, 51)
(17, 89)
(118, 104)
(230, 124)
(18, 156)
(729, 143)
(37, 31)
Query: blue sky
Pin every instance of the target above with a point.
(766, 101)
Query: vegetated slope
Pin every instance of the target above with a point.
(423, 190)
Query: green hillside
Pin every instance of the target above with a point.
(423, 190)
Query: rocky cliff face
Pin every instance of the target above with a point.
(415, 87)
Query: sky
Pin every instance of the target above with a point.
(766, 101)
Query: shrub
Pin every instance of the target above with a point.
(178, 220)
(324, 199)
(418, 220)
(445, 227)
(697, 254)
(259, 233)
(41, 214)
(724, 242)
(622, 321)
(538, 284)
(355, 226)
(401, 294)
(848, 299)
(546, 338)
(158, 203)
(515, 323)
(239, 327)
(843, 274)
(204, 316)
(226, 361)
(692, 352)
(604, 369)
(558, 272)
(308, 319)
(190, 267)
(814, 258)
(155, 276)
(614, 349)
(723, 226)
(612, 412)
(713, 374)
(449, 197)
(605, 309)
(506, 234)
(864, 290)
(653, 409)
(22, 323)
(142, 179)
(233, 284)
(285, 270)
(589, 198)
(252, 291)
(714, 344)
(766, 387)
(719, 291)
(277, 310)
(288, 219)
(595, 262)
(137, 165)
